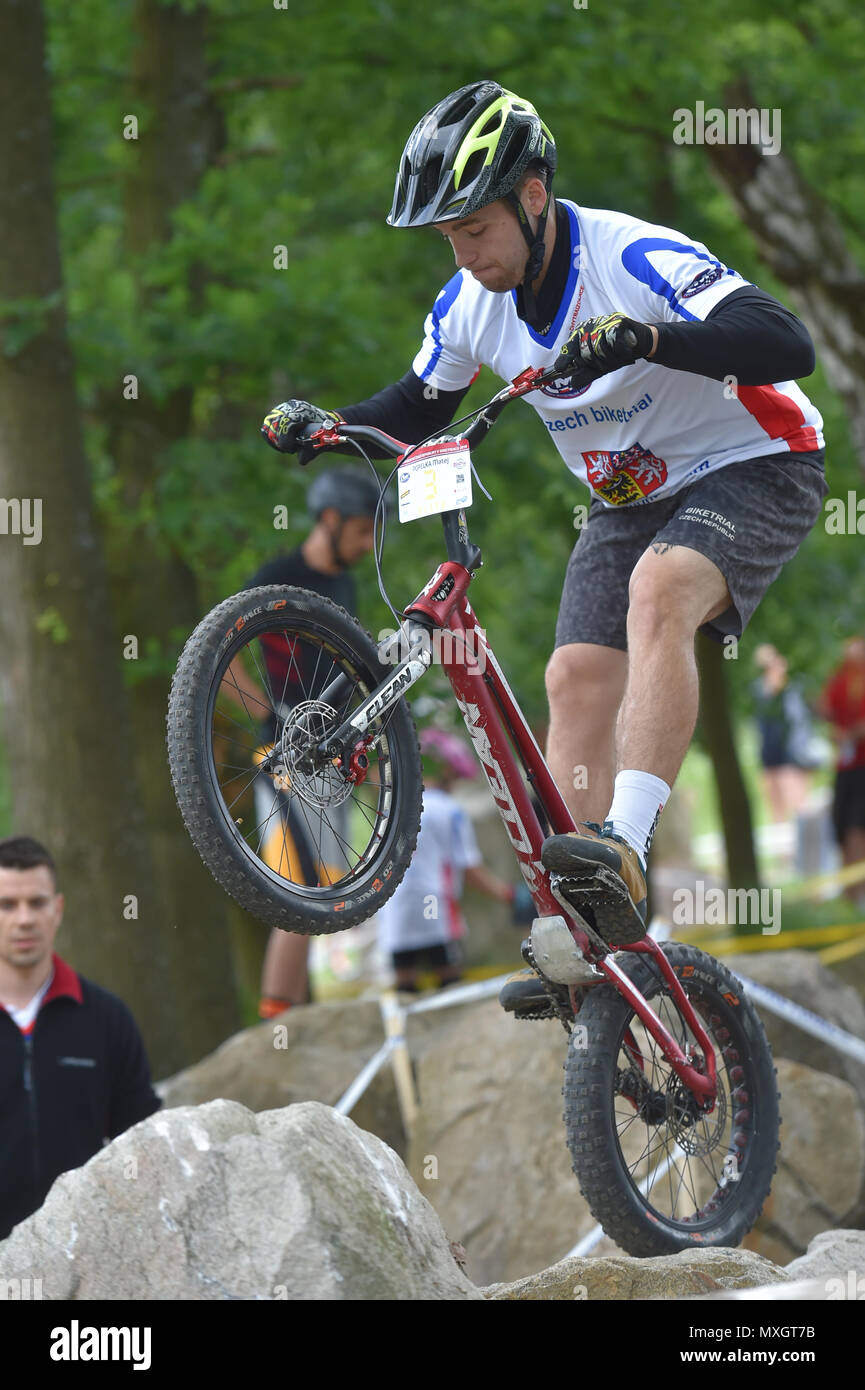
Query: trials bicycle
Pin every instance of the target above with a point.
(297, 770)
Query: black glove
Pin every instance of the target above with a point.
(602, 345)
(283, 426)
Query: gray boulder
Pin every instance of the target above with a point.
(489, 1147)
(309, 1053)
(625, 1278)
(799, 976)
(821, 1166)
(838, 1259)
(219, 1203)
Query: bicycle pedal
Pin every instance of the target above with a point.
(597, 941)
(617, 919)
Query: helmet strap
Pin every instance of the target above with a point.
(536, 245)
(335, 542)
(334, 538)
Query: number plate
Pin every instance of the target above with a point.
(435, 478)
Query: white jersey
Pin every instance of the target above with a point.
(644, 431)
(424, 910)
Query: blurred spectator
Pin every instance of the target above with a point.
(73, 1071)
(343, 502)
(789, 748)
(843, 705)
(422, 925)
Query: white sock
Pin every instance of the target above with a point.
(638, 800)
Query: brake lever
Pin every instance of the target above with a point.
(323, 437)
(533, 378)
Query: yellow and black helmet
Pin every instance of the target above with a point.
(472, 148)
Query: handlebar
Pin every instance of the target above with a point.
(529, 380)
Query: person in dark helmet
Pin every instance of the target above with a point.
(343, 504)
(677, 405)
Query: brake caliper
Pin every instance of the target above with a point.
(357, 766)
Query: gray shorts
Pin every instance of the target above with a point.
(749, 518)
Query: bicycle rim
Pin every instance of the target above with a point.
(683, 1165)
(311, 830)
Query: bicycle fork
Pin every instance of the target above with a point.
(702, 1085)
(385, 696)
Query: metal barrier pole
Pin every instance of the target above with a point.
(458, 994)
(393, 1018)
(803, 1018)
(349, 1099)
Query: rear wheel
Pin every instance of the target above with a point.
(658, 1174)
(307, 844)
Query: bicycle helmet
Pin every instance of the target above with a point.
(471, 149)
(349, 490)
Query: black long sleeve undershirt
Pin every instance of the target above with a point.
(749, 336)
(409, 410)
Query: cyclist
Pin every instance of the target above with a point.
(342, 502)
(704, 458)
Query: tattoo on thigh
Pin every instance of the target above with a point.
(661, 547)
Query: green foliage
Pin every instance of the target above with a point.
(51, 623)
(24, 319)
(316, 104)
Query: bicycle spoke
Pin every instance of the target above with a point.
(330, 827)
(678, 1175)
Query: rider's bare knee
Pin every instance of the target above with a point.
(582, 673)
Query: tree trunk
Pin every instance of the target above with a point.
(154, 593)
(716, 731)
(804, 245)
(66, 717)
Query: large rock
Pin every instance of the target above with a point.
(833, 1255)
(309, 1053)
(219, 1203)
(799, 976)
(821, 1165)
(794, 1291)
(623, 1277)
(851, 971)
(489, 1148)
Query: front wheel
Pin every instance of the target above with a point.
(658, 1174)
(303, 843)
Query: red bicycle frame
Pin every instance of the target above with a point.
(498, 729)
(496, 726)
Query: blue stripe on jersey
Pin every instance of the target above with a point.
(440, 308)
(549, 339)
(636, 263)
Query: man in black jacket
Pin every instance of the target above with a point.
(73, 1071)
